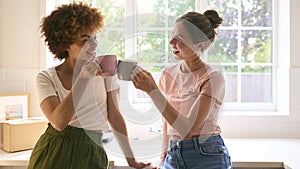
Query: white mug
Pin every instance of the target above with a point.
(125, 68)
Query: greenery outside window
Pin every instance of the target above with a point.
(140, 30)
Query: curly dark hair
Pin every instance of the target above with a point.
(66, 24)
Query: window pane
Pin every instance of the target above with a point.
(257, 46)
(256, 87)
(257, 69)
(151, 20)
(155, 70)
(148, 15)
(231, 83)
(114, 12)
(161, 11)
(257, 13)
(177, 8)
(225, 48)
(111, 42)
(228, 10)
(226, 69)
(151, 47)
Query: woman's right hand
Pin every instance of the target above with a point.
(90, 69)
(143, 80)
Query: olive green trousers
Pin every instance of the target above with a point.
(71, 148)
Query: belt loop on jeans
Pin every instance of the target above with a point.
(175, 144)
(196, 143)
(178, 144)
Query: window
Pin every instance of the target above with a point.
(244, 48)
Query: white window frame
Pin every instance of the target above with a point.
(230, 107)
(278, 108)
(249, 107)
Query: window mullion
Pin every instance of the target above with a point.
(239, 52)
(131, 29)
(201, 5)
(166, 33)
(274, 49)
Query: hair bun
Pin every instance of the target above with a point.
(214, 18)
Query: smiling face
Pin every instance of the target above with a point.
(84, 47)
(181, 43)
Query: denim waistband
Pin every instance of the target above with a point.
(192, 142)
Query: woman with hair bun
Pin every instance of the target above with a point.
(189, 96)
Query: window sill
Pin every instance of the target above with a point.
(255, 113)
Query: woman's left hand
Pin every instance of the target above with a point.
(90, 69)
(139, 165)
(143, 80)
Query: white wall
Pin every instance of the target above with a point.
(22, 56)
(295, 68)
(19, 48)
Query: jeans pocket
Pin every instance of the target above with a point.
(212, 150)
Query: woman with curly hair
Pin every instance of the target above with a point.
(77, 101)
(189, 96)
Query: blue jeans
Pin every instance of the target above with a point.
(197, 153)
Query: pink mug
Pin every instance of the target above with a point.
(108, 64)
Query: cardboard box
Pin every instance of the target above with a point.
(21, 134)
(259, 165)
